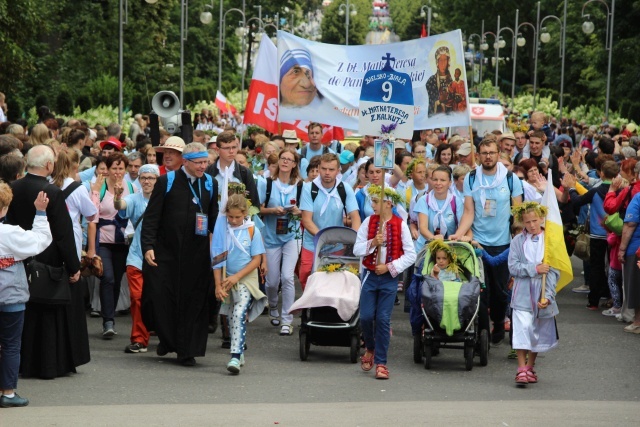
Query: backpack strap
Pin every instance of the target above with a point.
(131, 191)
(268, 195)
(70, 189)
(299, 192)
(103, 190)
(303, 152)
(341, 192)
(343, 196)
(454, 209)
(325, 149)
(251, 231)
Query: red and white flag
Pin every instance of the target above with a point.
(262, 100)
(223, 104)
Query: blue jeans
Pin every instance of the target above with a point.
(114, 262)
(376, 304)
(11, 324)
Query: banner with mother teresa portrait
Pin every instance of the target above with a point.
(322, 82)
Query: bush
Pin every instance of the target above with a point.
(64, 103)
(84, 103)
(41, 100)
(104, 91)
(14, 109)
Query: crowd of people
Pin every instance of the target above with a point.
(210, 234)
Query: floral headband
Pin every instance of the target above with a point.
(527, 207)
(389, 194)
(415, 162)
(438, 245)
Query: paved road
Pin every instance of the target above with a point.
(592, 378)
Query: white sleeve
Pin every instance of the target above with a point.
(363, 247)
(408, 258)
(86, 206)
(23, 244)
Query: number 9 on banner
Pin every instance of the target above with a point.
(386, 99)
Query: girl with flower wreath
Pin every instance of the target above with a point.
(533, 315)
(387, 251)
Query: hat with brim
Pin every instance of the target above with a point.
(112, 142)
(172, 143)
(465, 149)
(507, 135)
(290, 137)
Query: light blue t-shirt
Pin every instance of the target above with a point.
(304, 161)
(491, 222)
(87, 174)
(238, 259)
(136, 205)
(449, 219)
(633, 215)
(271, 238)
(332, 217)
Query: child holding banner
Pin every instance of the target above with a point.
(387, 251)
(534, 291)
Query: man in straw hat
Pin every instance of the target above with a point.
(172, 154)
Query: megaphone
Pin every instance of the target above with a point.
(165, 104)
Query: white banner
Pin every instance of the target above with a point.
(322, 82)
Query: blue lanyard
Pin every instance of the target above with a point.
(194, 193)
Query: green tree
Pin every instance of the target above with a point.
(333, 24)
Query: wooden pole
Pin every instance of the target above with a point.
(381, 225)
(544, 286)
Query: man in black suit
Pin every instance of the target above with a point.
(54, 341)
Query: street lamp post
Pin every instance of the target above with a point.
(122, 10)
(544, 37)
(588, 27)
(347, 10)
(472, 46)
(428, 15)
(497, 45)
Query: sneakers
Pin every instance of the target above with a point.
(632, 328)
(94, 313)
(235, 364)
(582, 289)
(592, 307)
(286, 330)
(611, 312)
(13, 402)
(107, 330)
(135, 347)
(400, 287)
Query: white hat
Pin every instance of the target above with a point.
(173, 143)
(290, 137)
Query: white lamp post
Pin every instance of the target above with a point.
(588, 27)
(347, 10)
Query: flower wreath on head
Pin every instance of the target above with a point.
(438, 245)
(241, 189)
(389, 194)
(527, 207)
(415, 162)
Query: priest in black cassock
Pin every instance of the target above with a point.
(180, 216)
(54, 338)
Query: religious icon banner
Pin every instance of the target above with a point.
(322, 82)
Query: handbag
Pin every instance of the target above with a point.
(583, 240)
(47, 284)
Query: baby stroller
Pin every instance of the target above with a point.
(326, 304)
(449, 314)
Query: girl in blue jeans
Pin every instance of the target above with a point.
(384, 241)
(16, 245)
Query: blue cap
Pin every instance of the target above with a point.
(346, 157)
